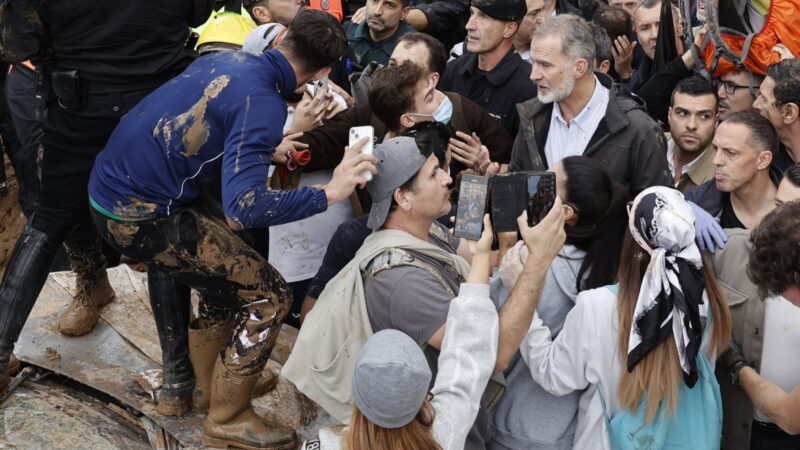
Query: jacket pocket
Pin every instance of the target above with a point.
(335, 374)
(736, 301)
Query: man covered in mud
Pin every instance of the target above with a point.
(221, 120)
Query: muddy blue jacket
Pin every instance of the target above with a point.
(220, 119)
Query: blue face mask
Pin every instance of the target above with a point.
(444, 112)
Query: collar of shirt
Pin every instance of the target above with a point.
(695, 169)
(591, 114)
(497, 76)
(360, 32)
(285, 79)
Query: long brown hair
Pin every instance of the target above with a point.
(659, 374)
(362, 434)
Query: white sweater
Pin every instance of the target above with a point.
(583, 356)
(466, 362)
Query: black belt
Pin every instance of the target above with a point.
(95, 87)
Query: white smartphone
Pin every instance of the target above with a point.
(318, 86)
(356, 134)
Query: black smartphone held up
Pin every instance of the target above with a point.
(471, 206)
(541, 195)
(512, 193)
(505, 206)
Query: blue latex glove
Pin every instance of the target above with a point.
(709, 234)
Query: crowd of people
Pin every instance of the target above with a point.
(655, 304)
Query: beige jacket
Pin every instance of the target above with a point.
(324, 355)
(747, 317)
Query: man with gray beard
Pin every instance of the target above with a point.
(576, 112)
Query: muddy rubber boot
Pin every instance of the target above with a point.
(205, 344)
(171, 302)
(231, 421)
(84, 311)
(24, 277)
(266, 383)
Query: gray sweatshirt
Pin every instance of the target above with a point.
(466, 362)
(528, 417)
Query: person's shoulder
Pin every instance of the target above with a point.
(598, 301)
(404, 28)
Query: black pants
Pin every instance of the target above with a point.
(72, 140)
(27, 117)
(768, 436)
(200, 251)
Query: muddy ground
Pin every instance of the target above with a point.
(11, 219)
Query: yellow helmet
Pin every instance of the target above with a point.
(227, 28)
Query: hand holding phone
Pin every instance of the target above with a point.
(356, 134)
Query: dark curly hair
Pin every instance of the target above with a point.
(775, 255)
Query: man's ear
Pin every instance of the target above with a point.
(406, 121)
(763, 160)
(401, 197)
(510, 29)
(262, 14)
(405, 12)
(325, 71)
(580, 68)
(604, 66)
(790, 112)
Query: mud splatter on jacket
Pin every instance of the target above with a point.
(221, 118)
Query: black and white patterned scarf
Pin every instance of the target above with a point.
(671, 297)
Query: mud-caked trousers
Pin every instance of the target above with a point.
(200, 251)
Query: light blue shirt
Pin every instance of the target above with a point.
(570, 139)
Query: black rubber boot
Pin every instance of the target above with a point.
(170, 302)
(25, 275)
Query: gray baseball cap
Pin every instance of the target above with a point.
(262, 37)
(391, 379)
(399, 159)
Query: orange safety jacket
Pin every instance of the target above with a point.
(781, 26)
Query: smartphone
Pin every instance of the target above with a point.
(541, 190)
(512, 193)
(504, 193)
(356, 134)
(318, 87)
(471, 206)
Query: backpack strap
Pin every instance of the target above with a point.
(395, 257)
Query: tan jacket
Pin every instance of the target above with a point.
(700, 172)
(747, 322)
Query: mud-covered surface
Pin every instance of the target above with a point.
(109, 357)
(46, 414)
(11, 219)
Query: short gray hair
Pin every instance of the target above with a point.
(577, 37)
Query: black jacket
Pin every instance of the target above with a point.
(627, 141)
(327, 142)
(657, 91)
(497, 91)
(111, 41)
(446, 19)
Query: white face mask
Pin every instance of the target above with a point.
(444, 112)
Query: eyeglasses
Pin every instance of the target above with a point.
(731, 87)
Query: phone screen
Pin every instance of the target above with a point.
(541, 195)
(471, 206)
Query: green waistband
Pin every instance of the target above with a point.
(111, 215)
